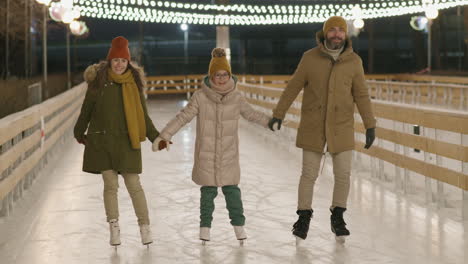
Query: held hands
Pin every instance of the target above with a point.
(370, 137)
(274, 121)
(160, 144)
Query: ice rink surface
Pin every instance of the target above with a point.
(60, 219)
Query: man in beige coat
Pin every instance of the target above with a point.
(332, 78)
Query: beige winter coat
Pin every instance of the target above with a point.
(331, 88)
(216, 160)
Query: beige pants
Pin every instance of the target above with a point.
(310, 172)
(132, 181)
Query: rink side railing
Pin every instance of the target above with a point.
(446, 92)
(177, 84)
(28, 138)
(396, 142)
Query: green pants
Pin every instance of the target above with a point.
(232, 195)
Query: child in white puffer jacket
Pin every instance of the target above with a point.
(218, 107)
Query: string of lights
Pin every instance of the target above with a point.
(172, 12)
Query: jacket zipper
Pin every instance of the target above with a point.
(333, 63)
(216, 145)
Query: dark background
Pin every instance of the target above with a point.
(386, 45)
(393, 45)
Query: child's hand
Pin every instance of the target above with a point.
(160, 144)
(163, 145)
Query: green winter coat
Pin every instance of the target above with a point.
(102, 117)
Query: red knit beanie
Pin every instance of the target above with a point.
(119, 49)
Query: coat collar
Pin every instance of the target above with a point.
(213, 95)
(347, 50)
(102, 78)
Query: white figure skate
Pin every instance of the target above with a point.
(204, 234)
(146, 237)
(240, 234)
(114, 233)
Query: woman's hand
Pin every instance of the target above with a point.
(82, 140)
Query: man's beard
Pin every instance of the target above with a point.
(335, 45)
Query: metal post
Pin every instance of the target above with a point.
(186, 50)
(222, 32)
(44, 50)
(7, 38)
(222, 40)
(429, 45)
(30, 56)
(68, 58)
(26, 37)
(459, 41)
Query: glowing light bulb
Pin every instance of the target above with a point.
(431, 12)
(358, 23)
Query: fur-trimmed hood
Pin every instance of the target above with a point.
(320, 38)
(96, 75)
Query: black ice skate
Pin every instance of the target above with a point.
(301, 227)
(338, 225)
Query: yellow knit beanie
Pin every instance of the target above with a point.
(218, 62)
(335, 21)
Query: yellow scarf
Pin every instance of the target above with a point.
(132, 107)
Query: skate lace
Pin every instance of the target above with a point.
(339, 221)
(301, 224)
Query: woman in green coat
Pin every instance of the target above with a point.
(112, 123)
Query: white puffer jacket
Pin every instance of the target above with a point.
(217, 140)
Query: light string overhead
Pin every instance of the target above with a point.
(179, 13)
(65, 11)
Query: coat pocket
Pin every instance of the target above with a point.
(95, 139)
(344, 117)
(311, 117)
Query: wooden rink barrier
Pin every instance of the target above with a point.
(395, 141)
(435, 104)
(442, 91)
(29, 137)
(177, 84)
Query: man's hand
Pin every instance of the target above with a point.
(274, 121)
(370, 137)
